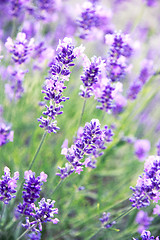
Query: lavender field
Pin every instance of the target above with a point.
(79, 120)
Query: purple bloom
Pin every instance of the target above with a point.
(137, 85)
(54, 85)
(21, 49)
(134, 89)
(158, 148)
(34, 236)
(143, 220)
(8, 186)
(92, 72)
(6, 135)
(106, 98)
(146, 235)
(156, 210)
(148, 185)
(120, 50)
(17, 7)
(42, 214)
(90, 142)
(150, 3)
(142, 147)
(93, 17)
(14, 88)
(32, 189)
(105, 220)
(146, 71)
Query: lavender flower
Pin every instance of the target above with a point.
(105, 220)
(32, 189)
(6, 135)
(120, 50)
(142, 147)
(34, 236)
(158, 148)
(143, 220)
(21, 49)
(14, 88)
(42, 214)
(151, 3)
(137, 85)
(156, 210)
(90, 142)
(148, 185)
(54, 85)
(8, 186)
(92, 72)
(17, 7)
(92, 18)
(146, 235)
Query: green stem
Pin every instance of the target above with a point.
(58, 185)
(32, 162)
(38, 149)
(3, 210)
(94, 234)
(25, 232)
(84, 104)
(123, 214)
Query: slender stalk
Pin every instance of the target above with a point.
(58, 185)
(94, 234)
(3, 210)
(84, 104)
(123, 214)
(32, 162)
(38, 149)
(25, 232)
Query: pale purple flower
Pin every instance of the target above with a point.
(21, 49)
(143, 220)
(6, 135)
(142, 147)
(156, 210)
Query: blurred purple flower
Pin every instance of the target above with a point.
(156, 210)
(6, 135)
(21, 49)
(142, 147)
(105, 220)
(143, 220)
(8, 186)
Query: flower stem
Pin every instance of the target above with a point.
(25, 232)
(38, 149)
(32, 162)
(58, 185)
(84, 104)
(94, 234)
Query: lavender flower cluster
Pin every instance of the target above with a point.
(8, 186)
(146, 235)
(101, 76)
(45, 212)
(148, 185)
(54, 85)
(90, 142)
